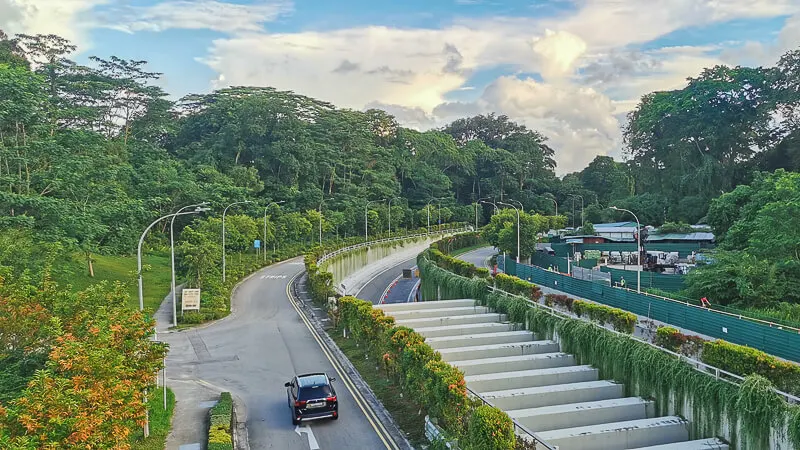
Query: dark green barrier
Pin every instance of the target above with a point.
(770, 339)
(683, 250)
(542, 259)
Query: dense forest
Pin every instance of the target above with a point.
(91, 154)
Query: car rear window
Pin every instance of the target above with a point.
(314, 392)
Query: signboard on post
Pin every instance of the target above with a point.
(190, 300)
(257, 243)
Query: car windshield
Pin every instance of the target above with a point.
(313, 386)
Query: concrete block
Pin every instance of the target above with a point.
(514, 363)
(497, 350)
(465, 329)
(504, 337)
(508, 390)
(702, 444)
(620, 435)
(560, 394)
(425, 305)
(572, 415)
(450, 320)
(438, 312)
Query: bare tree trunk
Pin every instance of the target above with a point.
(91, 264)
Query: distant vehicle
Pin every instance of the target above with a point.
(311, 396)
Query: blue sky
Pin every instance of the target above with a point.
(571, 69)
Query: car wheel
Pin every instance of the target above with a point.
(295, 421)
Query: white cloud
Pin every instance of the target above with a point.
(760, 53)
(558, 50)
(66, 18)
(197, 15)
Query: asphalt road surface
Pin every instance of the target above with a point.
(374, 289)
(262, 345)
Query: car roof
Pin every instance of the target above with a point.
(312, 379)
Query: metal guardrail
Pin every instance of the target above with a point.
(330, 255)
(700, 366)
(519, 429)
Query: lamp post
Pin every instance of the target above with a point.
(428, 209)
(198, 208)
(225, 211)
(515, 209)
(638, 248)
(573, 209)
(554, 202)
(390, 214)
(366, 221)
(265, 224)
(141, 290)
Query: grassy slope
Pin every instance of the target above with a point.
(156, 281)
(404, 411)
(160, 423)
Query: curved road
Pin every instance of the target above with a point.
(253, 352)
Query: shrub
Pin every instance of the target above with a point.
(514, 285)
(672, 339)
(219, 430)
(745, 361)
(490, 429)
(559, 300)
(620, 320)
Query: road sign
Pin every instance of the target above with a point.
(190, 299)
(257, 244)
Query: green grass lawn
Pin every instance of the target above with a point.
(156, 280)
(404, 410)
(160, 423)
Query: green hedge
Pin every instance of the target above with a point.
(438, 387)
(622, 321)
(517, 286)
(745, 361)
(220, 423)
(672, 339)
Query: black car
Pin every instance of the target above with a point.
(312, 396)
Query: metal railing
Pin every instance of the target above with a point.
(349, 248)
(771, 324)
(700, 366)
(519, 429)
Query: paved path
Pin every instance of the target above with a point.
(252, 353)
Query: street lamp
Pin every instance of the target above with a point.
(515, 209)
(225, 211)
(366, 221)
(638, 248)
(139, 251)
(554, 202)
(490, 203)
(265, 225)
(198, 208)
(573, 209)
(428, 209)
(521, 207)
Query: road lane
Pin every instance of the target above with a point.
(255, 351)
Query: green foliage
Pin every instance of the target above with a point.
(490, 429)
(501, 231)
(160, 423)
(622, 321)
(220, 423)
(746, 361)
(675, 227)
(514, 285)
(672, 339)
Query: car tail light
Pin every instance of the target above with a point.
(300, 403)
(331, 399)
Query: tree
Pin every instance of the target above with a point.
(607, 179)
(501, 231)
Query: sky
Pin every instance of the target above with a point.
(570, 69)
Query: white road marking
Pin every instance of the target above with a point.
(272, 277)
(312, 441)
